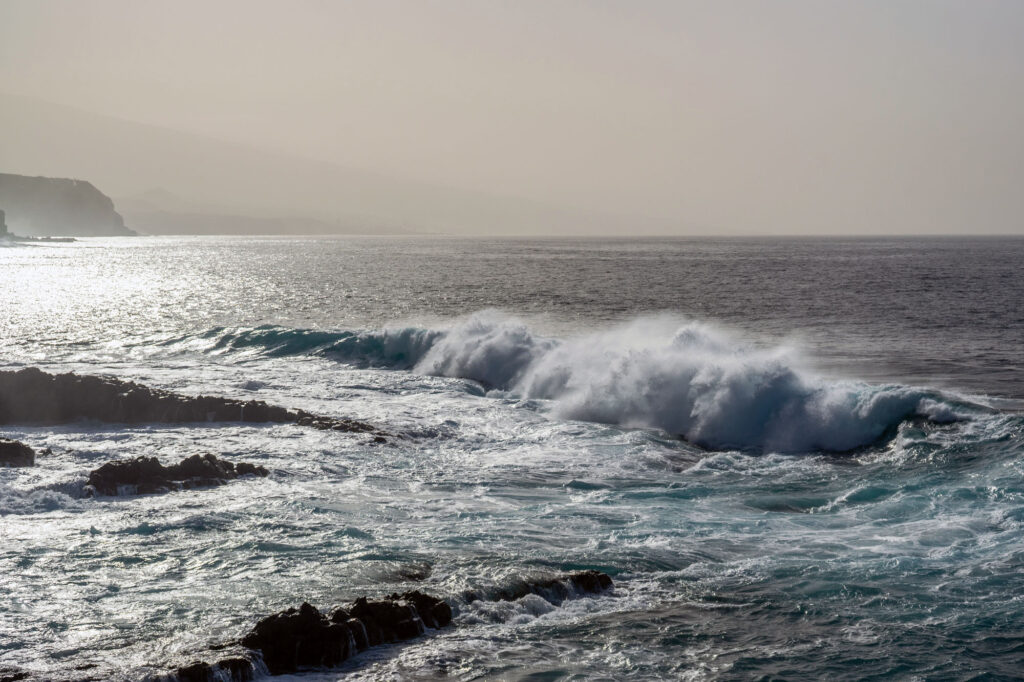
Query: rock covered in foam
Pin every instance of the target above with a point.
(148, 475)
(336, 424)
(16, 454)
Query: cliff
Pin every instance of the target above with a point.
(58, 206)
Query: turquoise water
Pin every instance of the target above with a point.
(846, 499)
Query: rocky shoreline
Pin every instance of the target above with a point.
(305, 638)
(287, 642)
(31, 396)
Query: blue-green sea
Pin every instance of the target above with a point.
(797, 459)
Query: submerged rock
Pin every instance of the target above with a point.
(554, 590)
(148, 475)
(16, 454)
(31, 396)
(333, 424)
(237, 669)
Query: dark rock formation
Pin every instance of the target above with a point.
(147, 475)
(237, 669)
(435, 613)
(332, 424)
(58, 206)
(306, 638)
(15, 454)
(300, 638)
(31, 396)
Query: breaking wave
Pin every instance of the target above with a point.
(684, 377)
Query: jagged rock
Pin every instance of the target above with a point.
(591, 581)
(236, 669)
(16, 454)
(387, 620)
(300, 638)
(334, 424)
(148, 475)
(305, 638)
(435, 613)
(31, 396)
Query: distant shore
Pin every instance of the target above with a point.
(16, 238)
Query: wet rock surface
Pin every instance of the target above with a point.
(147, 475)
(236, 669)
(333, 424)
(306, 638)
(31, 396)
(16, 454)
(303, 638)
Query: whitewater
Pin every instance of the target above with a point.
(796, 458)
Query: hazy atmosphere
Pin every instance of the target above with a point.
(517, 341)
(675, 118)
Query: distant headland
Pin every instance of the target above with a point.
(41, 207)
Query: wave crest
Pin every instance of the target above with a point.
(684, 377)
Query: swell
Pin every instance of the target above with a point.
(391, 348)
(684, 377)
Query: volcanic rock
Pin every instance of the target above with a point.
(16, 454)
(31, 396)
(304, 638)
(148, 475)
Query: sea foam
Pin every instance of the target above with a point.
(685, 377)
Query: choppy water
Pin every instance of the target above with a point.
(847, 500)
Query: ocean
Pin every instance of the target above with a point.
(796, 458)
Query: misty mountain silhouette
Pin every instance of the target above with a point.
(218, 178)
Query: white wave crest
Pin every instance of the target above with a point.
(684, 377)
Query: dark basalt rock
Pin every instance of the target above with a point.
(16, 454)
(236, 669)
(387, 620)
(302, 638)
(435, 613)
(10, 675)
(305, 638)
(148, 475)
(299, 638)
(344, 425)
(31, 396)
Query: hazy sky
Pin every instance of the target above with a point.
(716, 117)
